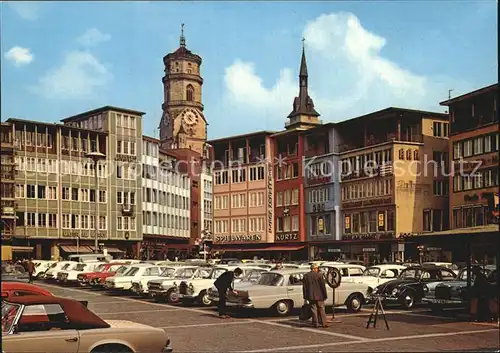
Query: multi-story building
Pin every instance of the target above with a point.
(243, 185)
(474, 144)
(7, 191)
(165, 203)
(392, 187)
(322, 191)
(207, 190)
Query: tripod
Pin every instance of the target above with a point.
(374, 314)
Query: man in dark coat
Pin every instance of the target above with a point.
(223, 284)
(314, 290)
(30, 267)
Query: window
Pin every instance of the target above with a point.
(468, 148)
(221, 178)
(42, 219)
(66, 223)
(239, 176)
(30, 219)
(295, 196)
(20, 191)
(295, 223)
(30, 191)
(427, 226)
(189, 93)
(52, 192)
(65, 193)
(457, 150)
(279, 198)
(74, 194)
(52, 220)
(478, 145)
(102, 196)
(436, 127)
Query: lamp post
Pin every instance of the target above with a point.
(96, 157)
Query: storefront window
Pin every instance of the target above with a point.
(373, 222)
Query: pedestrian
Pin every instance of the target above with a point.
(224, 284)
(278, 266)
(314, 290)
(30, 267)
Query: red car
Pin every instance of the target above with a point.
(16, 289)
(96, 279)
(85, 279)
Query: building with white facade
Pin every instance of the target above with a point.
(207, 204)
(166, 203)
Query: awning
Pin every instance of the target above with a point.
(22, 248)
(72, 249)
(489, 228)
(269, 248)
(110, 249)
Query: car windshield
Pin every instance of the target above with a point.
(410, 273)
(202, 273)
(184, 273)
(121, 270)
(371, 271)
(9, 313)
(100, 268)
(13, 270)
(168, 272)
(54, 264)
(270, 279)
(462, 276)
(80, 267)
(65, 267)
(216, 272)
(131, 272)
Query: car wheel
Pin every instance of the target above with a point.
(172, 297)
(354, 303)
(204, 299)
(112, 348)
(283, 307)
(408, 299)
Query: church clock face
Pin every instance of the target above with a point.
(190, 119)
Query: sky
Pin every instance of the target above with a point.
(62, 58)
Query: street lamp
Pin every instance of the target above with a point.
(96, 157)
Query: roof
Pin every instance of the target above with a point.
(101, 110)
(289, 271)
(54, 124)
(7, 285)
(183, 53)
(470, 94)
(79, 316)
(314, 129)
(151, 139)
(248, 135)
(393, 110)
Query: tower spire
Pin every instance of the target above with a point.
(303, 64)
(182, 40)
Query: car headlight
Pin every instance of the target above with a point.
(375, 290)
(395, 291)
(426, 289)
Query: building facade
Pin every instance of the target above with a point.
(322, 191)
(166, 204)
(390, 187)
(474, 144)
(183, 124)
(207, 190)
(7, 191)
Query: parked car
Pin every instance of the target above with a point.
(195, 290)
(348, 271)
(413, 284)
(13, 289)
(164, 289)
(41, 266)
(85, 278)
(281, 291)
(70, 276)
(455, 293)
(14, 273)
(99, 278)
(124, 282)
(140, 285)
(62, 325)
(454, 267)
(51, 273)
(376, 275)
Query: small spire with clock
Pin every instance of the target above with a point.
(303, 115)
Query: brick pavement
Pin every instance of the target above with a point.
(199, 329)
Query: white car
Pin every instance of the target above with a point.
(41, 266)
(378, 274)
(196, 290)
(56, 267)
(448, 265)
(140, 285)
(281, 291)
(165, 289)
(124, 282)
(70, 275)
(347, 271)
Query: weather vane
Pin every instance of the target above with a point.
(303, 42)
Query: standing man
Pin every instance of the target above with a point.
(314, 290)
(30, 267)
(223, 284)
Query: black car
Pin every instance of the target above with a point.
(412, 285)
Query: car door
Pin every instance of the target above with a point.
(42, 328)
(294, 287)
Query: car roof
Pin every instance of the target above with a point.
(13, 285)
(289, 271)
(77, 313)
(427, 267)
(340, 265)
(384, 266)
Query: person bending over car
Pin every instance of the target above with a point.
(224, 284)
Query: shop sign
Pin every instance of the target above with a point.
(318, 207)
(82, 234)
(287, 236)
(386, 235)
(347, 222)
(430, 248)
(367, 203)
(238, 238)
(369, 249)
(334, 250)
(381, 221)
(408, 235)
(125, 158)
(270, 200)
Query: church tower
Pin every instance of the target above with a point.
(303, 115)
(183, 124)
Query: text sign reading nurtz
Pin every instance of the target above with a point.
(82, 234)
(287, 236)
(270, 200)
(237, 238)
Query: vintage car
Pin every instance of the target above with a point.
(281, 291)
(10, 289)
(413, 284)
(51, 273)
(41, 266)
(124, 282)
(455, 293)
(449, 265)
(70, 276)
(99, 278)
(196, 289)
(61, 325)
(140, 285)
(14, 273)
(348, 271)
(376, 275)
(164, 289)
(84, 279)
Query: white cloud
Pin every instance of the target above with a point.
(93, 37)
(19, 56)
(28, 10)
(347, 72)
(79, 76)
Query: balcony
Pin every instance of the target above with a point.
(372, 141)
(7, 177)
(128, 210)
